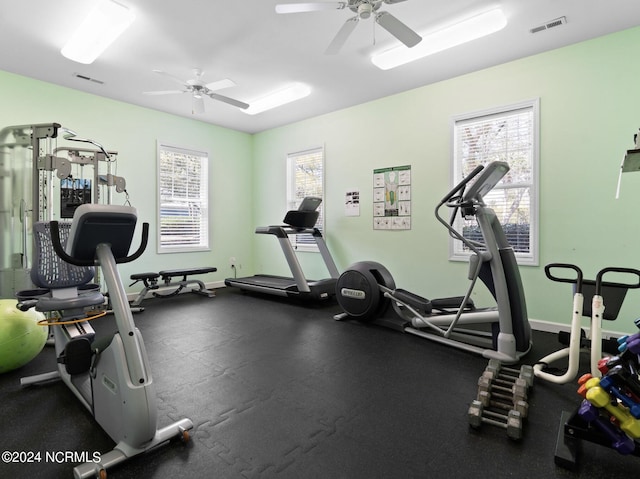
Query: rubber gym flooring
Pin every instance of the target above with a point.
(280, 390)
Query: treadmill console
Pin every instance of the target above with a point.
(306, 215)
(310, 203)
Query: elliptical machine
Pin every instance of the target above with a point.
(110, 376)
(366, 289)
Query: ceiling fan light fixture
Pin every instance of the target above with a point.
(293, 92)
(104, 24)
(467, 30)
(365, 10)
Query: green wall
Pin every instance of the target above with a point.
(589, 104)
(133, 132)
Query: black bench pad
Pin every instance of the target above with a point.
(145, 276)
(170, 273)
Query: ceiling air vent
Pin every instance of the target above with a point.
(85, 77)
(550, 24)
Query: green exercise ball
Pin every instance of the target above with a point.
(21, 338)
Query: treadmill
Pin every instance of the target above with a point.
(300, 221)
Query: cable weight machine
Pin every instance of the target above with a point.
(32, 167)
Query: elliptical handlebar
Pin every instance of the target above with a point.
(461, 185)
(59, 249)
(489, 176)
(599, 283)
(602, 272)
(577, 281)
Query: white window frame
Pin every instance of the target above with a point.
(457, 253)
(196, 206)
(296, 193)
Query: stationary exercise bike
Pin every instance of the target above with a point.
(365, 289)
(110, 376)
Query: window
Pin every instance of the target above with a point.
(506, 134)
(305, 177)
(183, 200)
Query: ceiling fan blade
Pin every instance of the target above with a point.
(197, 105)
(398, 29)
(228, 100)
(309, 7)
(220, 84)
(341, 37)
(170, 76)
(164, 92)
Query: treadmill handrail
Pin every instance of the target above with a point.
(283, 231)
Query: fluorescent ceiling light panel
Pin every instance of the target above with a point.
(465, 31)
(100, 28)
(291, 93)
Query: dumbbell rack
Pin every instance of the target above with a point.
(502, 398)
(573, 430)
(578, 427)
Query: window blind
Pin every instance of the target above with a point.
(509, 136)
(306, 178)
(183, 199)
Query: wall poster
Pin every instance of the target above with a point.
(352, 203)
(392, 198)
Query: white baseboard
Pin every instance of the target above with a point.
(550, 327)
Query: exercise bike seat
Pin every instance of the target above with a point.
(51, 275)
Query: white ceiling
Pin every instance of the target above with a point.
(261, 51)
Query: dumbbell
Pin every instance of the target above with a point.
(606, 363)
(623, 376)
(630, 343)
(516, 392)
(619, 440)
(520, 405)
(608, 384)
(512, 421)
(627, 378)
(597, 396)
(500, 380)
(502, 372)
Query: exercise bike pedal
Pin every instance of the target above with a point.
(77, 356)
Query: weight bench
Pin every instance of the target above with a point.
(151, 282)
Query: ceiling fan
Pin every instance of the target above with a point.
(199, 89)
(363, 10)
